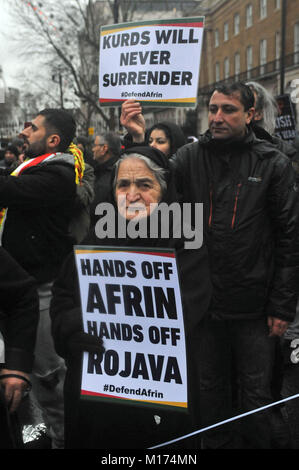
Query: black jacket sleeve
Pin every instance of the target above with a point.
(19, 313)
(65, 308)
(283, 202)
(38, 187)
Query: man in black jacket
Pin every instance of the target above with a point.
(38, 202)
(250, 201)
(106, 151)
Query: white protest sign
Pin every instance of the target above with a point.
(132, 300)
(154, 62)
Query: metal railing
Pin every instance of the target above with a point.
(257, 73)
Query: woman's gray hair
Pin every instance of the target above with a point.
(158, 172)
(266, 104)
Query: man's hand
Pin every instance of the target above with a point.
(13, 388)
(277, 327)
(132, 119)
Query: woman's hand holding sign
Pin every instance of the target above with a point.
(132, 119)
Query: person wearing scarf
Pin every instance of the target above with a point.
(98, 426)
(38, 201)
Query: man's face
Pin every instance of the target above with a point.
(35, 138)
(227, 117)
(10, 157)
(99, 149)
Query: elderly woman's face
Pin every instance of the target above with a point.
(137, 189)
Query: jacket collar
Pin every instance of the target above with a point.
(108, 164)
(248, 139)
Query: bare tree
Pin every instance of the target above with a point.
(62, 41)
(60, 38)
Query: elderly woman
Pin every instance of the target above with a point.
(141, 181)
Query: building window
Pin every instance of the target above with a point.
(277, 49)
(249, 57)
(217, 72)
(249, 16)
(263, 9)
(226, 30)
(226, 68)
(237, 64)
(236, 24)
(277, 4)
(216, 37)
(296, 43)
(263, 55)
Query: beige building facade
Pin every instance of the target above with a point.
(243, 41)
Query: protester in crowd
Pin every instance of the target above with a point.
(286, 370)
(11, 156)
(19, 143)
(106, 151)
(38, 200)
(18, 326)
(263, 123)
(106, 426)
(83, 143)
(167, 137)
(250, 202)
(265, 107)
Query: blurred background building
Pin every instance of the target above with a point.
(243, 40)
(248, 40)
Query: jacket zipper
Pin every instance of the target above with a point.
(211, 207)
(236, 205)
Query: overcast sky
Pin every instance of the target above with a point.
(8, 60)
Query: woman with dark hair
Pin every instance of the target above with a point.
(143, 179)
(166, 136)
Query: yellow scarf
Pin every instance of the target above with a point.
(79, 162)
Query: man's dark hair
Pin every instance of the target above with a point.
(81, 139)
(13, 149)
(246, 94)
(61, 122)
(113, 141)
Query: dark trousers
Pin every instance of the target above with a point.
(10, 429)
(290, 387)
(235, 367)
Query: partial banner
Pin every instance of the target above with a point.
(154, 62)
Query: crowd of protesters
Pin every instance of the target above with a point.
(239, 289)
